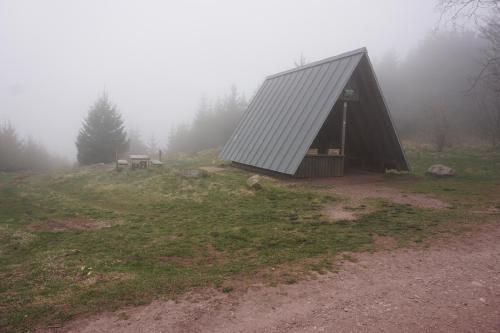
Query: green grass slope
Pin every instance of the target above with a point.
(163, 234)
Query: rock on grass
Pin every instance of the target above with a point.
(440, 170)
(254, 182)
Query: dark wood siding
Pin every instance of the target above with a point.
(321, 166)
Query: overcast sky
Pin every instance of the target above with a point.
(156, 59)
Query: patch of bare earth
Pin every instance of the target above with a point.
(487, 210)
(359, 192)
(213, 169)
(70, 224)
(363, 186)
(338, 212)
(451, 286)
(356, 188)
(384, 242)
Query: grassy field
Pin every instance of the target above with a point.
(94, 239)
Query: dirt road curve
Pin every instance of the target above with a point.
(453, 286)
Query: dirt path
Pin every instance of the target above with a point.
(452, 286)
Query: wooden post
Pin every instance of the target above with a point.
(159, 155)
(344, 120)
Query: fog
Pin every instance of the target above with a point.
(156, 59)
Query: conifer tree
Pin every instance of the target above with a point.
(102, 135)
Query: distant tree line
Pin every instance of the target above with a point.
(103, 138)
(433, 94)
(17, 154)
(444, 91)
(212, 125)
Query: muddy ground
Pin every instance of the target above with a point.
(453, 285)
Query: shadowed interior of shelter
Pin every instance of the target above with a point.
(368, 139)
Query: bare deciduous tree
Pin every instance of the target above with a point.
(153, 147)
(441, 127)
(490, 73)
(486, 15)
(489, 118)
(465, 10)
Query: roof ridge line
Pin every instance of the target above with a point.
(319, 62)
